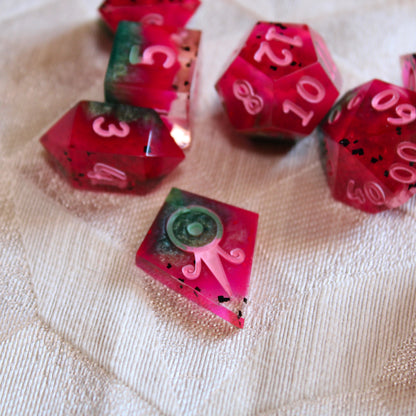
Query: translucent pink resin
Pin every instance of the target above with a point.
(111, 147)
(281, 83)
(369, 146)
(408, 64)
(202, 249)
(154, 66)
(159, 12)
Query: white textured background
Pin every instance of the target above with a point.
(331, 326)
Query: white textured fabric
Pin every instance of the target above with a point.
(331, 326)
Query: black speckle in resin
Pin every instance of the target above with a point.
(359, 152)
(283, 27)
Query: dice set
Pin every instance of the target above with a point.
(281, 84)
(138, 134)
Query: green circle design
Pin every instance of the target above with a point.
(193, 227)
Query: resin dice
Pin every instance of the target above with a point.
(154, 66)
(111, 146)
(369, 144)
(202, 249)
(158, 12)
(408, 64)
(281, 83)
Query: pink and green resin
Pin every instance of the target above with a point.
(281, 83)
(155, 67)
(369, 147)
(158, 12)
(113, 147)
(202, 249)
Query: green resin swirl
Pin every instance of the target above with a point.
(193, 227)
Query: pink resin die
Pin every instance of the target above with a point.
(111, 147)
(281, 83)
(158, 12)
(408, 64)
(369, 145)
(202, 249)
(154, 66)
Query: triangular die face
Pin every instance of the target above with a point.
(202, 249)
(58, 138)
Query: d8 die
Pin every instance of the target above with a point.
(202, 249)
(408, 64)
(159, 12)
(154, 66)
(282, 82)
(369, 142)
(111, 147)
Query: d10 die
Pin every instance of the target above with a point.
(202, 249)
(111, 146)
(154, 66)
(159, 12)
(369, 142)
(408, 64)
(282, 82)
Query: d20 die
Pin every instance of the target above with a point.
(108, 146)
(202, 249)
(369, 142)
(281, 83)
(408, 64)
(154, 66)
(159, 12)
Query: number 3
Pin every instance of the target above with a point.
(112, 129)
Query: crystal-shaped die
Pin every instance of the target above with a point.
(154, 66)
(202, 249)
(281, 83)
(108, 146)
(369, 146)
(408, 64)
(158, 12)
